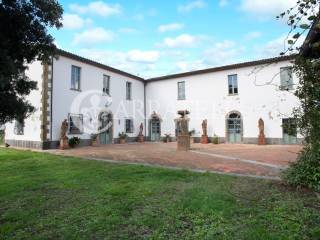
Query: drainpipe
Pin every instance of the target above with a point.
(145, 111)
(51, 97)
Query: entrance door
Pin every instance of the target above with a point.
(155, 129)
(234, 128)
(106, 128)
(289, 131)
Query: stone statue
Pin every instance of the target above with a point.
(63, 135)
(141, 129)
(262, 138)
(140, 136)
(261, 126)
(205, 127)
(204, 137)
(64, 129)
(183, 138)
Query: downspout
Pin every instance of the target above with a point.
(51, 97)
(145, 110)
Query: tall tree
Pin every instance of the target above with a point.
(302, 18)
(23, 39)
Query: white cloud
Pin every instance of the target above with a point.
(274, 47)
(170, 27)
(187, 66)
(73, 21)
(224, 52)
(252, 35)
(266, 8)
(93, 36)
(182, 41)
(223, 3)
(97, 8)
(196, 4)
(143, 56)
(120, 60)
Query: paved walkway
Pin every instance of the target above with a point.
(252, 160)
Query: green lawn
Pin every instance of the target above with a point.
(50, 197)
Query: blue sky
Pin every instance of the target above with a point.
(154, 38)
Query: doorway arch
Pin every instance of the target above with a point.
(155, 128)
(105, 128)
(234, 127)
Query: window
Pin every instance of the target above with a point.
(289, 130)
(75, 78)
(286, 81)
(181, 91)
(75, 123)
(129, 126)
(19, 127)
(233, 84)
(106, 84)
(128, 90)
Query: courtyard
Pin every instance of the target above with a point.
(234, 159)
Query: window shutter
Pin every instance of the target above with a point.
(286, 80)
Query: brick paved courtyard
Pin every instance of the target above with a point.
(239, 159)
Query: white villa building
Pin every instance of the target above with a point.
(91, 96)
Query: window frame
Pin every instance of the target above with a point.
(80, 130)
(182, 96)
(234, 85)
(131, 127)
(78, 79)
(128, 92)
(106, 88)
(289, 83)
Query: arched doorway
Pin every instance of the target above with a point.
(234, 127)
(155, 128)
(105, 128)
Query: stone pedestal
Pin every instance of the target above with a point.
(64, 143)
(183, 143)
(204, 139)
(140, 138)
(262, 139)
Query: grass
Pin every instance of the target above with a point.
(44, 196)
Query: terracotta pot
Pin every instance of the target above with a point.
(122, 141)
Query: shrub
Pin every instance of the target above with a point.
(306, 171)
(73, 142)
(167, 138)
(123, 135)
(215, 139)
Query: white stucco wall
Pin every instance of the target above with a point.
(32, 127)
(92, 79)
(207, 98)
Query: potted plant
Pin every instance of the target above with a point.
(192, 133)
(215, 139)
(167, 138)
(94, 139)
(122, 138)
(74, 141)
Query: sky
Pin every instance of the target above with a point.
(154, 38)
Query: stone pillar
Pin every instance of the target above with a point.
(183, 138)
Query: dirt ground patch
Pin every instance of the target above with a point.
(239, 159)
